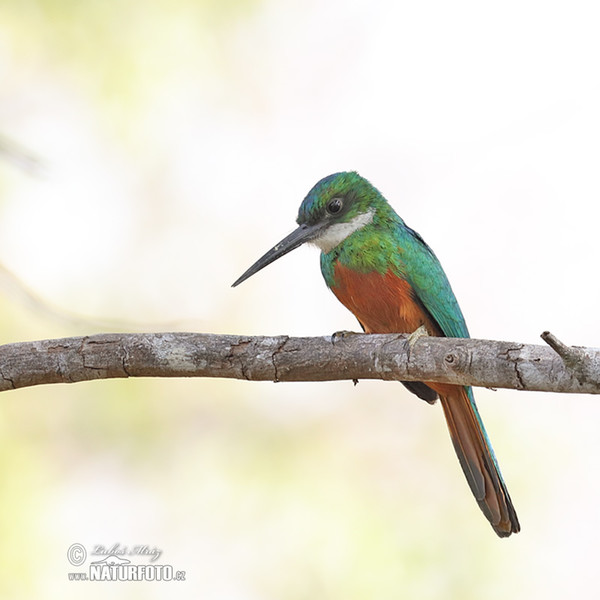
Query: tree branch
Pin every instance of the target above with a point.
(347, 356)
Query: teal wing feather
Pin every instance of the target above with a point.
(421, 268)
(423, 271)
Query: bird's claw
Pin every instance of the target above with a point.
(416, 335)
(340, 335)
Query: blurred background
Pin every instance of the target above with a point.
(150, 151)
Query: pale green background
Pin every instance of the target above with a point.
(176, 141)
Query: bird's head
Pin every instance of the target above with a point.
(335, 208)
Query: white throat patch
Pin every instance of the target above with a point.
(337, 233)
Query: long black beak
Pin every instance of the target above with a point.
(304, 233)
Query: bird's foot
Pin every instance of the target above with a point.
(340, 335)
(416, 335)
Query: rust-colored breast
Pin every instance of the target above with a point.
(382, 303)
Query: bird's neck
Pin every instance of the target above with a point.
(369, 249)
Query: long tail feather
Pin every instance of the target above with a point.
(477, 459)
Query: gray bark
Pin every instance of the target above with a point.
(558, 368)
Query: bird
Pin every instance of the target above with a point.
(390, 279)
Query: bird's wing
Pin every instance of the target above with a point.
(421, 268)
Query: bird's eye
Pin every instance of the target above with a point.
(334, 206)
